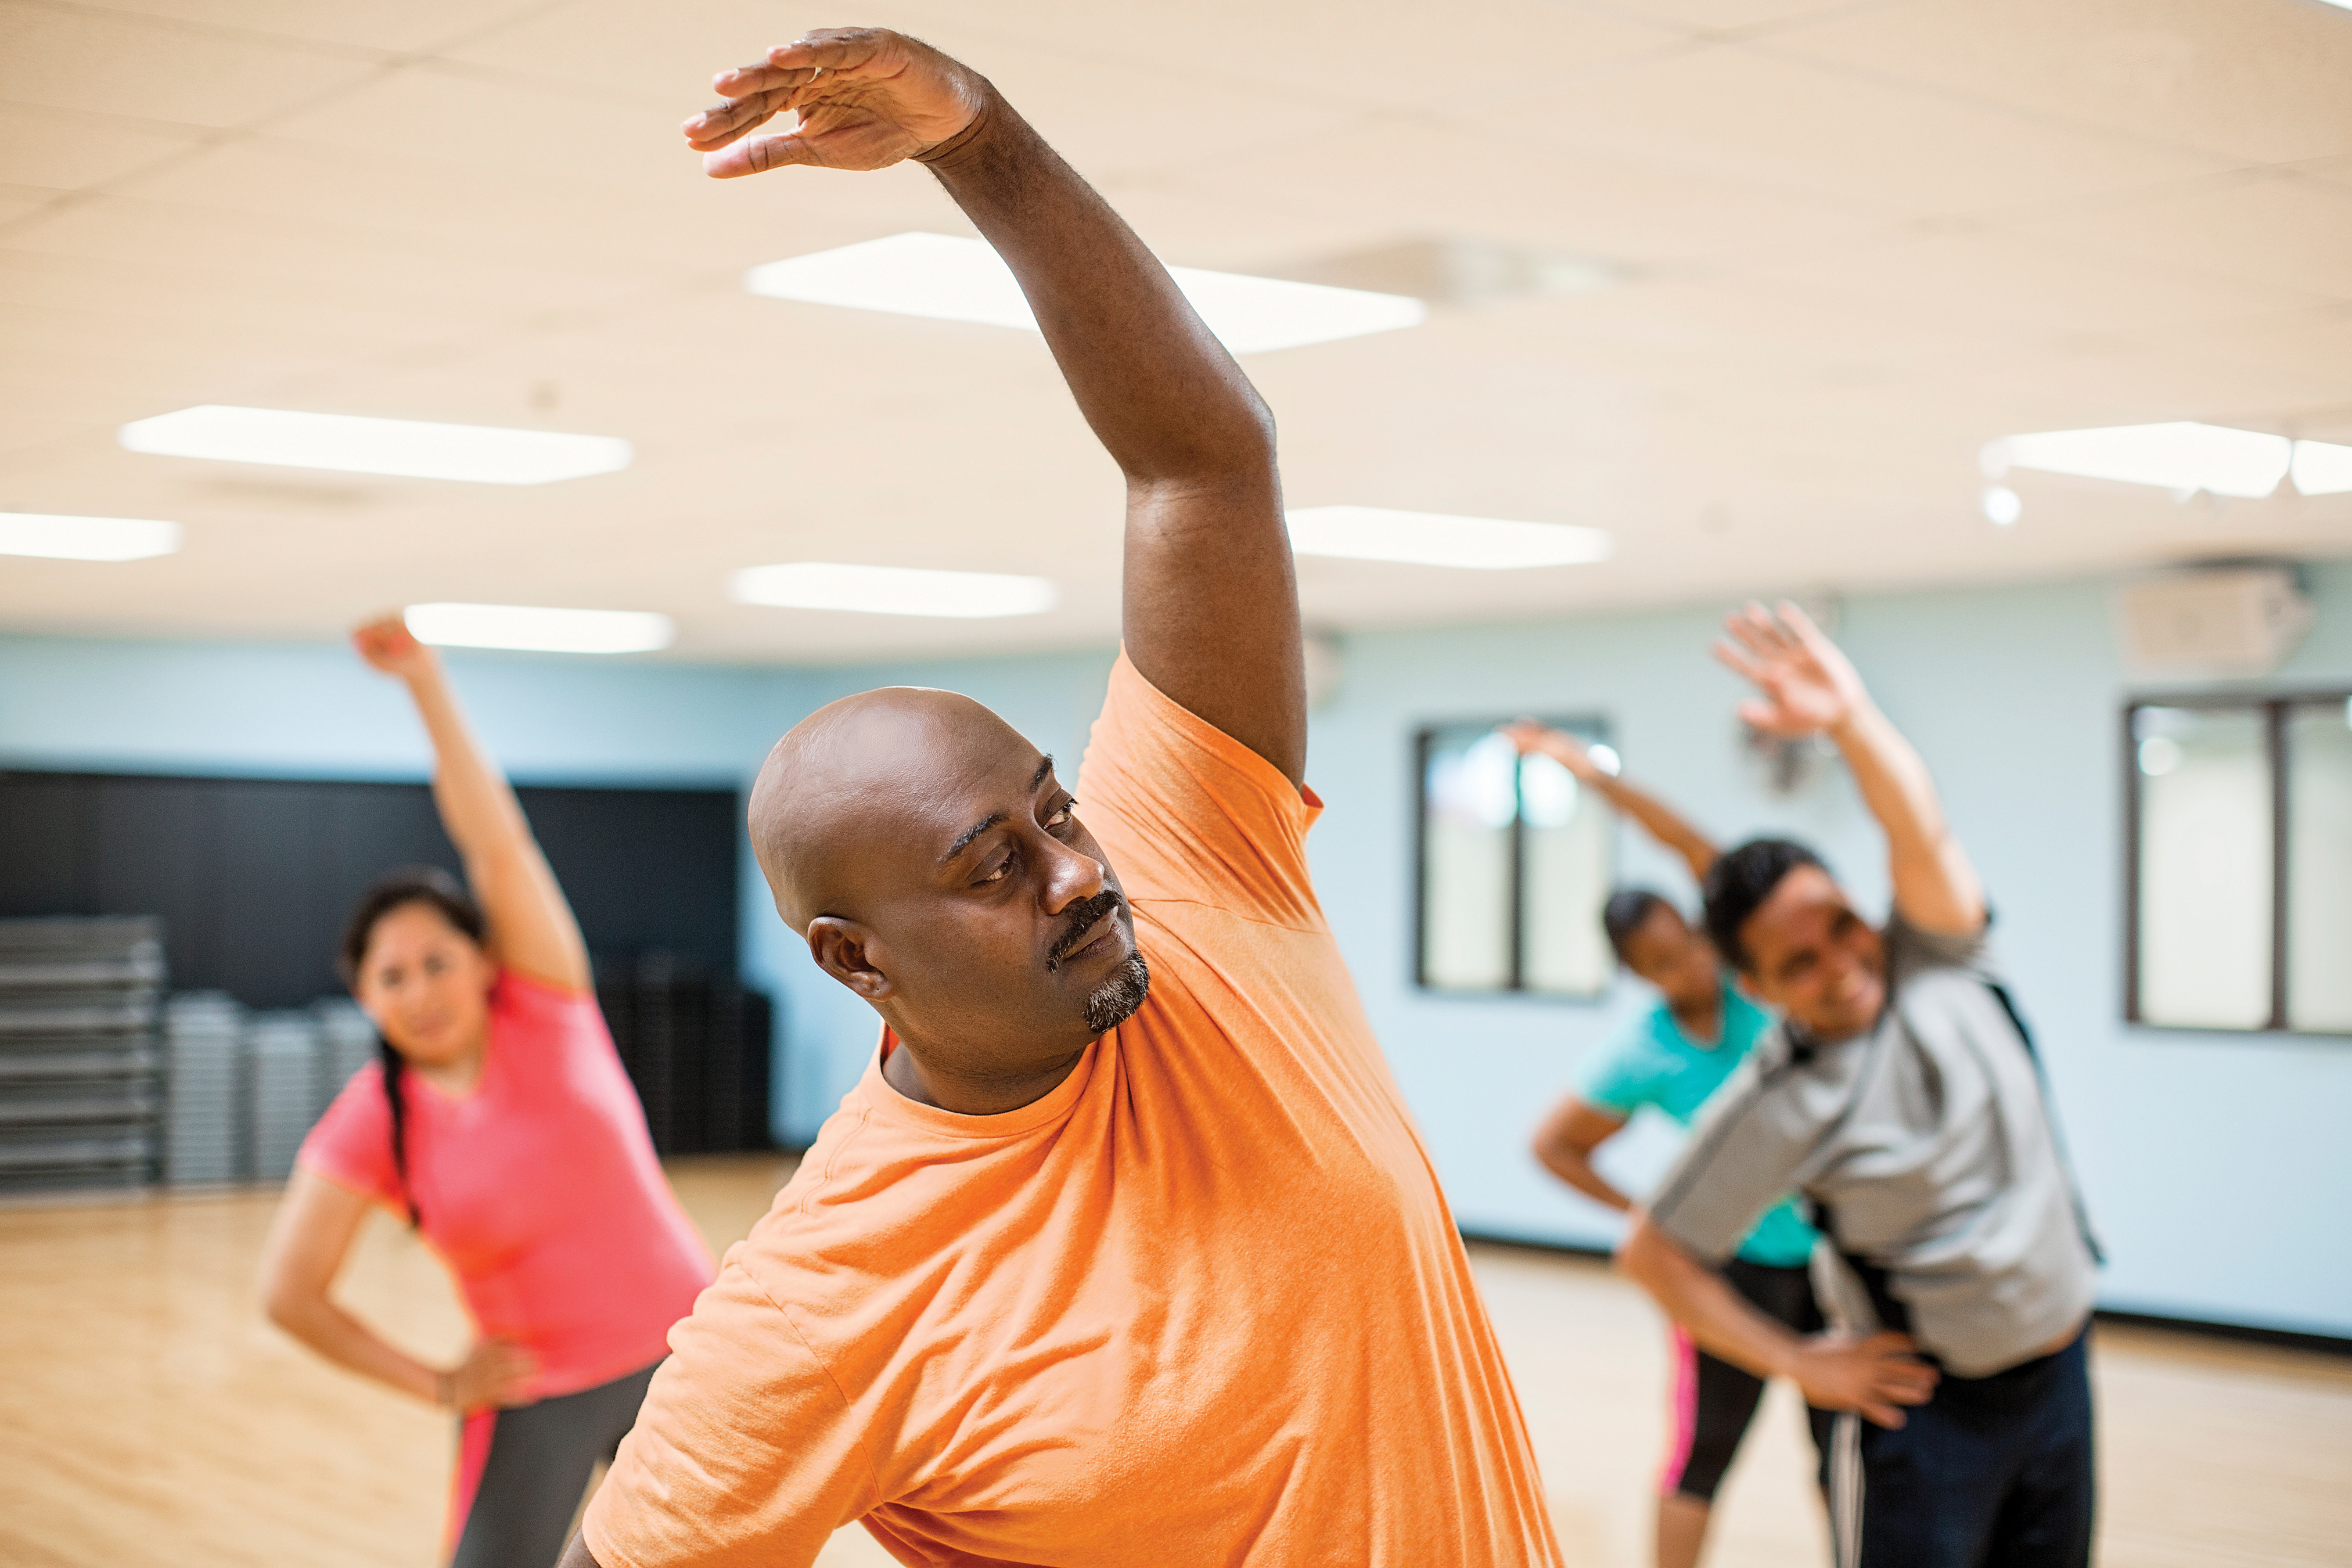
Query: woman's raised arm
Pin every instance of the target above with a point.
(531, 928)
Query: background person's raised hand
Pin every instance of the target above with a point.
(389, 648)
(1532, 737)
(1808, 685)
(866, 98)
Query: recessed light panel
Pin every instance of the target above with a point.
(538, 629)
(2321, 469)
(85, 538)
(953, 278)
(890, 590)
(2183, 456)
(1434, 538)
(406, 448)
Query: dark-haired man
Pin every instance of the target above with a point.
(1124, 1250)
(1901, 1095)
(1672, 1059)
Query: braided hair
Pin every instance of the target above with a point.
(440, 892)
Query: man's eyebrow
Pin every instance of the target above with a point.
(963, 841)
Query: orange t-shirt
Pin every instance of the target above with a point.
(1202, 1303)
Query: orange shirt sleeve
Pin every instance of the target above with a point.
(1186, 812)
(745, 1450)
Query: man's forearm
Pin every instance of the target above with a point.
(1160, 391)
(1709, 1311)
(1935, 886)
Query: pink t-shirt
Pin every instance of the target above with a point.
(539, 1189)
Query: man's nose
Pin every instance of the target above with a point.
(1070, 877)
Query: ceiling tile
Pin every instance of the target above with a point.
(1742, 113)
(64, 150)
(2029, 282)
(2256, 80)
(2285, 231)
(407, 26)
(89, 60)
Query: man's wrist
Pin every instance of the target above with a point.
(1849, 728)
(985, 126)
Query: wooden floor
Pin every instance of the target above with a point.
(148, 1414)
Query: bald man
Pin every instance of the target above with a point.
(1125, 1250)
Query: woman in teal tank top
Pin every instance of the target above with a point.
(1672, 1059)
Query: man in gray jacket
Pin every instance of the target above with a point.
(1902, 1097)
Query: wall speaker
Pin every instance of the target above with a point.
(2214, 621)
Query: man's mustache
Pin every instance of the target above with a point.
(1083, 915)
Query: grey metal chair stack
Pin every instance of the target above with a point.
(203, 1129)
(81, 1072)
(284, 1071)
(347, 1043)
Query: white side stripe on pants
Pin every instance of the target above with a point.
(1845, 1490)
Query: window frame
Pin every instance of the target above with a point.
(2272, 703)
(1592, 727)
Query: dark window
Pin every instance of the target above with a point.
(1514, 863)
(2239, 868)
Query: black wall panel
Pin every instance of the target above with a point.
(253, 877)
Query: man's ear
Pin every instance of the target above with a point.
(851, 954)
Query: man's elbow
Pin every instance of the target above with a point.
(1645, 1256)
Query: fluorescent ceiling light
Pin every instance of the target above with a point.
(2320, 468)
(410, 448)
(85, 538)
(890, 590)
(961, 280)
(1432, 539)
(2182, 457)
(538, 629)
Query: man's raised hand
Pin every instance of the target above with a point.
(867, 98)
(1808, 684)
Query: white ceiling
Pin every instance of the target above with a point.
(1859, 240)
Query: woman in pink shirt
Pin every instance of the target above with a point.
(500, 1124)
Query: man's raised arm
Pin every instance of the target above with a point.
(1211, 610)
(1808, 688)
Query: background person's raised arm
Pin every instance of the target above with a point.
(1808, 686)
(1211, 609)
(1661, 821)
(532, 927)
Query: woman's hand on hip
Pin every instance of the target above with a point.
(495, 1375)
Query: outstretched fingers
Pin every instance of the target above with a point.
(842, 49)
(757, 156)
(723, 122)
(1740, 661)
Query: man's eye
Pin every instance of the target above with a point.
(1062, 819)
(996, 873)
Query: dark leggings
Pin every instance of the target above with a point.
(522, 1472)
(1715, 1401)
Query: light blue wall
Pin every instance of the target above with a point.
(2215, 1165)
